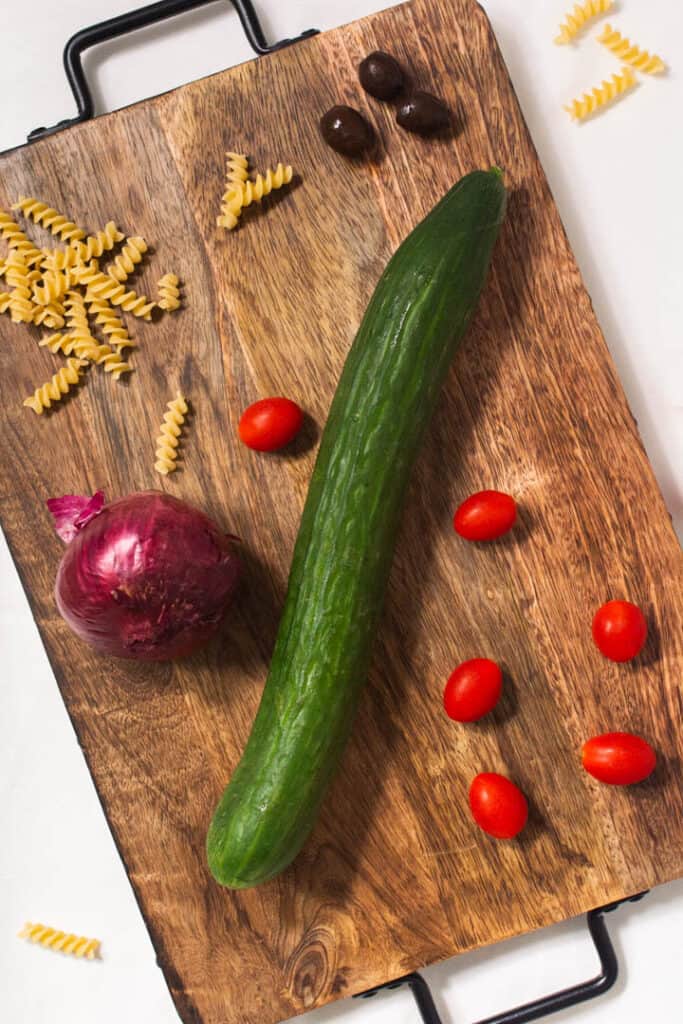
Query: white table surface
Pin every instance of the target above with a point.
(618, 187)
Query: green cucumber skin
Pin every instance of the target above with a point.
(383, 403)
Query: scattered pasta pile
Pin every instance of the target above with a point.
(65, 289)
(61, 942)
(241, 192)
(627, 52)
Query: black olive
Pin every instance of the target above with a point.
(381, 75)
(347, 131)
(423, 113)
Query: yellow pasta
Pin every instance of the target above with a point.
(169, 293)
(5, 299)
(52, 315)
(21, 305)
(125, 263)
(624, 49)
(55, 389)
(61, 259)
(96, 245)
(102, 286)
(109, 323)
(61, 942)
(237, 173)
(264, 184)
(53, 284)
(84, 344)
(575, 21)
(111, 362)
(602, 95)
(55, 222)
(17, 240)
(169, 433)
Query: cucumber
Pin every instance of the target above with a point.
(384, 400)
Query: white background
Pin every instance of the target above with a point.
(618, 187)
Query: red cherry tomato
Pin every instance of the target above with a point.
(473, 690)
(619, 630)
(485, 515)
(270, 424)
(498, 806)
(618, 758)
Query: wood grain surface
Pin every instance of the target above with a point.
(396, 874)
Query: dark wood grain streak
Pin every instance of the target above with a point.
(396, 875)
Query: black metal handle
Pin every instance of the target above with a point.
(141, 18)
(597, 986)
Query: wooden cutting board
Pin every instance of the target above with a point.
(396, 875)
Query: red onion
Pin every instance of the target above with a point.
(147, 576)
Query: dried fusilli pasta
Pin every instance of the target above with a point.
(110, 324)
(61, 942)
(84, 345)
(169, 433)
(52, 315)
(264, 184)
(19, 280)
(602, 95)
(95, 245)
(17, 240)
(169, 292)
(577, 19)
(237, 172)
(55, 389)
(111, 361)
(61, 259)
(102, 286)
(125, 263)
(53, 284)
(55, 222)
(641, 60)
(5, 299)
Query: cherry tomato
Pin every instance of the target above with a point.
(498, 806)
(619, 630)
(485, 515)
(472, 690)
(270, 424)
(618, 758)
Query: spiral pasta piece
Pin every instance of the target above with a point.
(19, 280)
(84, 344)
(602, 95)
(55, 389)
(17, 240)
(237, 172)
(110, 324)
(102, 286)
(264, 184)
(52, 220)
(61, 259)
(576, 19)
(624, 49)
(61, 942)
(111, 362)
(5, 299)
(127, 260)
(169, 292)
(169, 434)
(237, 167)
(58, 343)
(52, 315)
(54, 284)
(95, 246)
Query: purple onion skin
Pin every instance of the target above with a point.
(149, 578)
